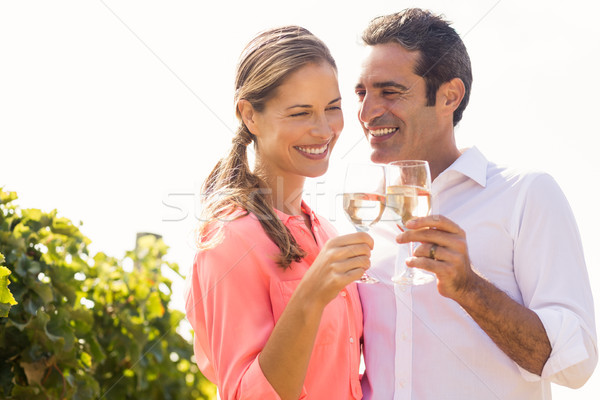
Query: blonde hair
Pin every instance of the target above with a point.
(265, 63)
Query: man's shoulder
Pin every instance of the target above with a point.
(514, 176)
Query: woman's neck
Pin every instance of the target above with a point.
(285, 191)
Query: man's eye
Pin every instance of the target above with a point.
(360, 93)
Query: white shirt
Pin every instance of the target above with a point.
(523, 238)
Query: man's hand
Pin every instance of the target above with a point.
(451, 264)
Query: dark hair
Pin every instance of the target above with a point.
(443, 55)
(265, 63)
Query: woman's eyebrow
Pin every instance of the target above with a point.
(309, 106)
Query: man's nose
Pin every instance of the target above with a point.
(370, 108)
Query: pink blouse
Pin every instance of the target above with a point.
(235, 293)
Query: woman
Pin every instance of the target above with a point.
(271, 296)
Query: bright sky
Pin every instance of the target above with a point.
(114, 112)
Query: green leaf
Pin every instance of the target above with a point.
(4, 310)
(154, 306)
(64, 227)
(86, 360)
(7, 197)
(98, 354)
(6, 379)
(58, 327)
(43, 290)
(18, 317)
(6, 297)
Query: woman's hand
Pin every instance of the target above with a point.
(342, 260)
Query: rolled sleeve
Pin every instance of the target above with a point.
(574, 354)
(256, 386)
(552, 275)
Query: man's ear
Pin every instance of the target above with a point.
(248, 114)
(450, 94)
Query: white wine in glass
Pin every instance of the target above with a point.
(364, 209)
(409, 196)
(364, 199)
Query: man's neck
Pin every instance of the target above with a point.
(439, 162)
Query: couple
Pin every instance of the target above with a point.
(271, 295)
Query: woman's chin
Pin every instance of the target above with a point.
(318, 171)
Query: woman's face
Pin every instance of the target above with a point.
(300, 124)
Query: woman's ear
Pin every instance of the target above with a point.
(248, 115)
(450, 94)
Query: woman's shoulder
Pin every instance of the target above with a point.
(236, 232)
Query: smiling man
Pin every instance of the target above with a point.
(512, 310)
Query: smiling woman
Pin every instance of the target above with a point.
(268, 266)
(299, 126)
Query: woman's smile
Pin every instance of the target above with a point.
(314, 152)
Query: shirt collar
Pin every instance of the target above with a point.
(472, 164)
(305, 209)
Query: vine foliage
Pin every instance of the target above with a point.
(77, 326)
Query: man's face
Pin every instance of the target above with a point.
(392, 110)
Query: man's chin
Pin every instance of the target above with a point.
(379, 157)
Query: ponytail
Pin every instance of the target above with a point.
(231, 185)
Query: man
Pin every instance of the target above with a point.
(512, 310)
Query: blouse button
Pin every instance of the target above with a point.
(343, 293)
(351, 340)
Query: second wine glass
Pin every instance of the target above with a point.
(409, 196)
(364, 199)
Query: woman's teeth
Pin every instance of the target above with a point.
(313, 150)
(382, 132)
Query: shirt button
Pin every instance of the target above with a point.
(351, 340)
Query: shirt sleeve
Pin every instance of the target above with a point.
(229, 308)
(552, 276)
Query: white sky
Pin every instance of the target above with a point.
(114, 112)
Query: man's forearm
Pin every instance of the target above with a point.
(515, 329)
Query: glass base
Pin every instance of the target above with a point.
(413, 277)
(367, 279)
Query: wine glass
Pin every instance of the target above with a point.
(364, 199)
(409, 196)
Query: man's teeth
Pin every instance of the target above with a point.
(313, 150)
(381, 132)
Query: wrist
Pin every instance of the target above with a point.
(305, 300)
(470, 292)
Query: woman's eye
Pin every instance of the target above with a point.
(334, 108)
(299, 114)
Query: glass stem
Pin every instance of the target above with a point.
(411, 250)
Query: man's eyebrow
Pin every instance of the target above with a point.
(384, 84)
(309, 106)
(380, 85)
